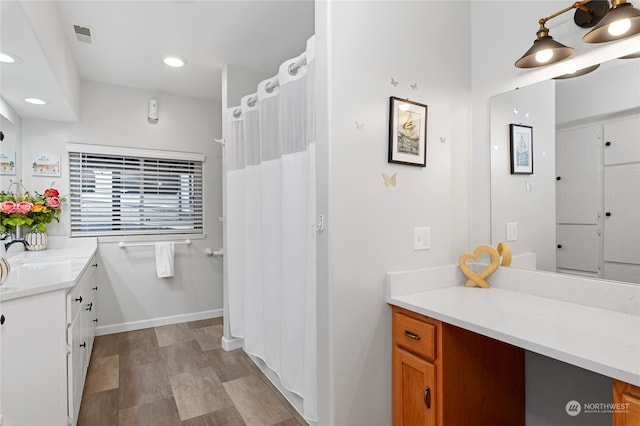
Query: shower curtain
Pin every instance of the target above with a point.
(270, 217)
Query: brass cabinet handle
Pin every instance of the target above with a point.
(427, 397)
(412, 335)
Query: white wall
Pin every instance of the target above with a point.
(47, 28)
(528, 200)
(607, 91)
(130, 295)
(361, 46)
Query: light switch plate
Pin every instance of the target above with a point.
(422, 238)
(512, 231)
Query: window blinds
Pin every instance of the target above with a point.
(123, 195)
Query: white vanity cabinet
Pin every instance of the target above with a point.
(622, 199)
(81, 320)
(578, 200)
(598, 197)
(45, 345)
(622, 140)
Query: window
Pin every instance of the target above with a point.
(115, 194)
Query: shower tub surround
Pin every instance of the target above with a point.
(589, 323)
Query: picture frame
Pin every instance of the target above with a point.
(45, 164)
(8, 163)
(521, 149)
(407, 132)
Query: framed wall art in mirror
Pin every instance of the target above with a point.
(521, 148)
(407, 132)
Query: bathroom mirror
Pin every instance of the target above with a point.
(559, 211)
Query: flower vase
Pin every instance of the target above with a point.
(37, 240)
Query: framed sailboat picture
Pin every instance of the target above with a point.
(407, 132)
(521, 148)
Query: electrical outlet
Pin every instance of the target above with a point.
(422, 238)
(512, 231)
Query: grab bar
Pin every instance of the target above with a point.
(210, 252)
(122, 244)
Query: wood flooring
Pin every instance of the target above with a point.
(178, 375)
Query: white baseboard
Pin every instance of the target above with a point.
(155, 322)
(230, 344)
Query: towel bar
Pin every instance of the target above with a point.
(122, 244)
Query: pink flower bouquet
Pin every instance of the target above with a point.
(34, 210)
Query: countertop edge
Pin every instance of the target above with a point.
(56, 286)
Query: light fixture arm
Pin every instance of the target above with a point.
(577, 5)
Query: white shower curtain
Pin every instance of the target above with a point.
(270, 217)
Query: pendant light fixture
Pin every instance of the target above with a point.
(622, 21)
(546, 50)
(578, 73)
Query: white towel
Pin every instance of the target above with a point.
(164, 259)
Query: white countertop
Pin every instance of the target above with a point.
(56, 268)
(602, 340)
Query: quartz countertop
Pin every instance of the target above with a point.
(606, 341)
(56, 268)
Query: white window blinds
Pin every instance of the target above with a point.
(124, 194)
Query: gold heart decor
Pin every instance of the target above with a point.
(479, 279)
(504, 250)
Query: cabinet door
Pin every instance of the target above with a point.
(622, 141)
(621, 220)
(629, 397)
(578, 171)
(32, 360)
(577, 247)
(414, 390)
(76, 360)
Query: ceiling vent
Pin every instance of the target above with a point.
(83, 34)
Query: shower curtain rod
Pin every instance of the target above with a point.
(275, 82)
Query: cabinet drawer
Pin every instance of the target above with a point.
(414, 335)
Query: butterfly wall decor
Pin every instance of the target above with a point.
(359, 126)
(389, 180)
(393, 82)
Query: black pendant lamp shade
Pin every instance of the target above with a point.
(554, 51)
(578, 73)
(635, 55)
(623, 16)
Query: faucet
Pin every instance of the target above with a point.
(10, 243)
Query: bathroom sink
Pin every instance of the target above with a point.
(37, 273)
(47, 256)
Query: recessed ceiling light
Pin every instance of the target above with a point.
(6, 58)
(174, 61)
(35, 101)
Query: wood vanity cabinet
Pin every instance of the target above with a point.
(629, 395)
(447, 376)
(45, 345)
